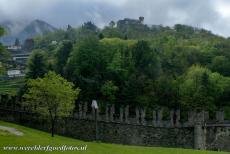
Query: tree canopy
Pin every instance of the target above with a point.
(131, 63)
(37, 64)
(51, 96)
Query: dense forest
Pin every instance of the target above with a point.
(4, 55)
(128, 62)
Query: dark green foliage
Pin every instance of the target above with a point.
(167, 92)
(62, 55)
(112, 24)
(202, 89)
(109, 91)
(4, 55)
(138, 90)
(86, 67)
(37, 64)
(90, 26)
(221, 64)
(1, 31)
(29, 44)
(132, 63)
(111, 32)
(145, 60)
(101, 36)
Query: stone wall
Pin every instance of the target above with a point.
(197, 132)
(218, 137)
(110, 132)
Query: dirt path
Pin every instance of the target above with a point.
(11, 130)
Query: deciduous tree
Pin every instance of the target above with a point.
(51, 96)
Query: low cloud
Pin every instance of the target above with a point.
(211, 14)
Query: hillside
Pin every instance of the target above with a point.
(176, 67)
(23, 30)
(11, 87)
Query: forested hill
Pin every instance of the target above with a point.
(128, 62)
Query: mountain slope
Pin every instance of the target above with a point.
(22, 30)
(36, 27)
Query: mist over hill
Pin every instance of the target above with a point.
(23, 30)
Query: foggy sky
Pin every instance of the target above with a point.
(213, 15)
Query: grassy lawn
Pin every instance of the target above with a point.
(4, 133)
(33, 137)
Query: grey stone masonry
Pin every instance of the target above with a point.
(191, 117)
(112, 111)
(93, 114)
(137, 115)
(199, 137)
(121, 114)
(127, 114)
(206, 115)
(98, 114)
(85, 109)
(159, 118)
(220, 116)
(143, 122)
(107, 113)
(154, 118)
(172, 117)
(200, 117)
(177, 117)
(80, 111)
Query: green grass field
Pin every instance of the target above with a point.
(11, 86)
(34, 137)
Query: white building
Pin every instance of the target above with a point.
(54, 42)
(13, 47)
(14, 73)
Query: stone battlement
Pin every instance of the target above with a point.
(122, 114)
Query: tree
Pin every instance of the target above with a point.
(112, 24)
(86, 67)
(221, 65)
(145, 60)
(141, 19)
(37, 64)
(51, 96)
(1, 31)
(62, 55)
(112, 32)
(69, 27)
(138, 91)
(90, 26)
(4, 55)
(109, 91)
(167, 92)
(197, 90)
(221, 89)
(29, 44)
(101, 36)
(2, 69)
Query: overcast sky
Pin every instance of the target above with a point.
(210, 14)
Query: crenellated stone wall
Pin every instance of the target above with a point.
(120, 125)
(139, 117)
